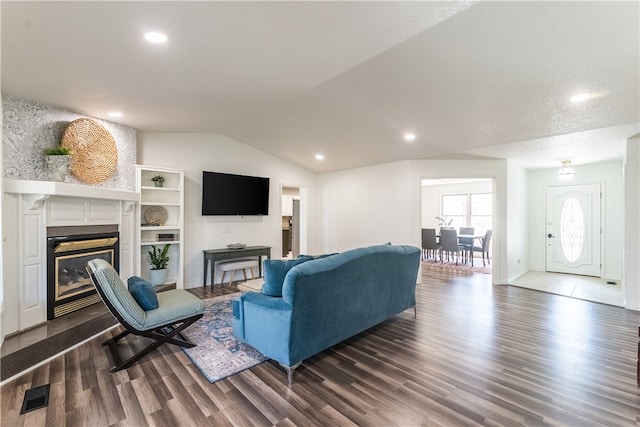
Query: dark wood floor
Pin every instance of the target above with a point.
(475, 355)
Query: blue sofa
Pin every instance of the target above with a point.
(327, 300)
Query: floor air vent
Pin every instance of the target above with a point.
(35, 398)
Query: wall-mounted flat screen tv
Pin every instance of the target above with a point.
(228, 194)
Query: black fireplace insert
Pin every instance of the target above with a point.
(69, 286)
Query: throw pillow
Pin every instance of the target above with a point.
(143, 292)
(274, 272)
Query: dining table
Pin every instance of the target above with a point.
(470, 236)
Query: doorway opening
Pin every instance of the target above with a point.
(292, 208)
(466, 205)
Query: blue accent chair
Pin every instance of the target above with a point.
(177, 309)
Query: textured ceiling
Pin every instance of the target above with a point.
(345, 79)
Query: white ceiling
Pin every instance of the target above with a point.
(344, 79)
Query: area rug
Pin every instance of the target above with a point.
(218, 353)
(460, 268)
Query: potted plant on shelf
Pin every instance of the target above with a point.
(57, 160)
(158, 258)
(158, 180)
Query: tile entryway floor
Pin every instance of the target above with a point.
(582, 287)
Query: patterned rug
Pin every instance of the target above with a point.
(461, 268)
(218, 353)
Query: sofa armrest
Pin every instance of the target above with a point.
(264, 322)
(266, 301)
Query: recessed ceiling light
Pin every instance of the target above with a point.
(581, 97)
(115, 114)
(319, 156)
(155, 37)
(409, 136)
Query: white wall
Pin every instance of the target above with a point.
(213, 152)
(609, 175)
(631, 273)
(382, 203)
(367, 206)
(517, 222)
(432, 198)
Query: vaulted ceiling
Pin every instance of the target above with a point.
(344, 79)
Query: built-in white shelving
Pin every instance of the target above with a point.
(169, 197)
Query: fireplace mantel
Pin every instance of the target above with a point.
(42, 190)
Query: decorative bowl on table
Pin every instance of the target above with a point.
(236, 246)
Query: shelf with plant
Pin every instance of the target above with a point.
(158, 260)
(170, 199)
(158, 180)
(155, 242)
(159, 189)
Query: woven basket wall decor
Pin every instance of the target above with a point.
(95, 155)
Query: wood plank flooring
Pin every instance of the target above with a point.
(474, 355)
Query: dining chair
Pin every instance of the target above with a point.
(484, 247)
(449, 243)
(467, 242)
(429, 243)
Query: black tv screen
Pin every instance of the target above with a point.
(228, 194)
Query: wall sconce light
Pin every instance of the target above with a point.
(566, 172)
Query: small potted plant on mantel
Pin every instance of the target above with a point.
(158, 258)
(158, 180)
(57, 160)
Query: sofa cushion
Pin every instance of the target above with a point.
(274, 271)
(143, 292)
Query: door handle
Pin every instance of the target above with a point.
(551, 236)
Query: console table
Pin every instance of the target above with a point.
(225, 254)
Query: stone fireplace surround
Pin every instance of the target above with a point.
(30, 209)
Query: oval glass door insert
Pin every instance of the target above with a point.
(572, 229)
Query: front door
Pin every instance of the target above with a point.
(573, 229)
